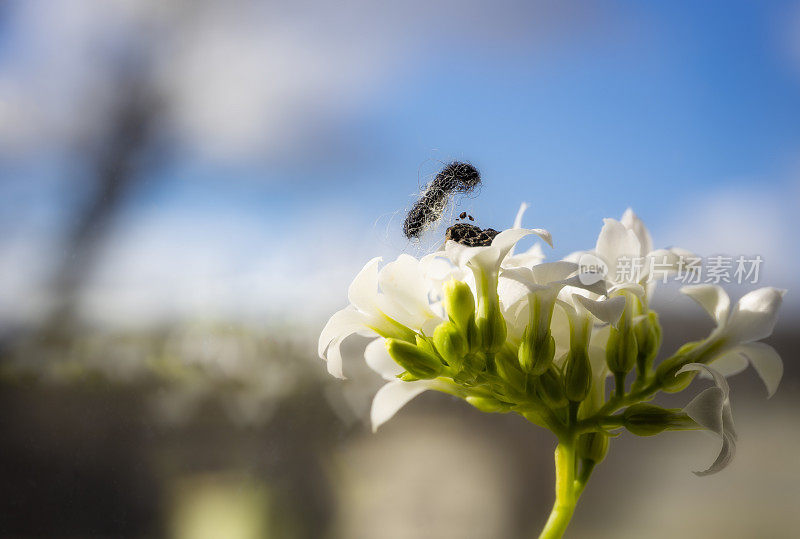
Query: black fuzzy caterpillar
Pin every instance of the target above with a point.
(455, 177)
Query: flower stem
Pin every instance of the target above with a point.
(567, 491)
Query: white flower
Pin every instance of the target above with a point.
(392, 302)
(711, 409)
(733, 342)
(395, 393)
(401, 300)
(625, 249)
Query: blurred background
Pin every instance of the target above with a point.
(188, 187)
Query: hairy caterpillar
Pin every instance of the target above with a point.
(455, 177)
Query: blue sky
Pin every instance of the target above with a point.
(582, 111)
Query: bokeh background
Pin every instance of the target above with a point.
(188, 187)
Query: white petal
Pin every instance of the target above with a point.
(706, 409)
(342, 324)
(405, 292)
(634, 288)
(615, 243)
(725, 456)
(506, 239)
(363, 291)
(712, 410)
(719, 380)
(608, 311)
(712, 298)
(379, 360)
(576, 256)
(393, 396)
(553, 271)
(767, 363)
(529, 258)
(730, 363)
(665, 261)
(459, 254)
(632, 222)
(520, 212)
(515, 284)
(755, 315)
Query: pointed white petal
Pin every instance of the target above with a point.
(632, 222)
(719, 380)
(508, 238)
(393, 396)
(767, 363)
(518, 219)
(342, 324)
(706, 409)
(712, 298)
(459, 254)
(730, 363)
(593, 283)
(363, 291)
(553, 271)
(405, 292)
(616, 243)
(754, 317)
(608, 311)
(529, 258)
(725, 456)
(711, 409)
(379, 360)
(633, 288)
(576, 256)
(515, 284)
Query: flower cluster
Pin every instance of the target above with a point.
(507, 332)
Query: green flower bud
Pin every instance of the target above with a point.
(492, 331)
(536, 352)
(459, 303)
(488, 404)
(592, 446)
(667, 369)
(647, 419)
(648, 340)
(577, 375)
(621, 350)
(508, 369)
(549, 389)
(414, 359)
(451, 344)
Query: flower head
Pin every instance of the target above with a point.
(711, 409)
(732, 345)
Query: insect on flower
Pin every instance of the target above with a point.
(454, 178)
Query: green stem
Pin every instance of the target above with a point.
(619, 382)
(567, 491)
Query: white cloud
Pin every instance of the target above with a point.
(749, 218)
(232, 268)
(242, 79)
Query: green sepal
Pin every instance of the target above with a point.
(592, 446)
(451, 344)
(648, 341)
(577, 375)
(536, 351)
(488, 404)
(549, 388)
(667, 369)
(621, 350)
(459, 304)
(648, 419)
(414, 359)
(508, 370)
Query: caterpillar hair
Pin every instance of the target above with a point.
(454, 178)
